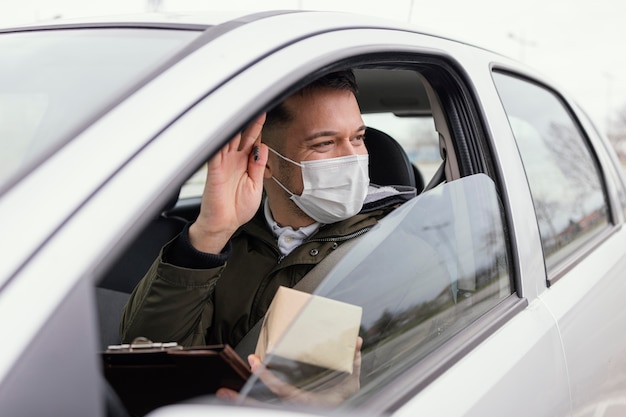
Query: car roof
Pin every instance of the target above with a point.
(182, 20)
(204, 20)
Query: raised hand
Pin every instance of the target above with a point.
(233, 189)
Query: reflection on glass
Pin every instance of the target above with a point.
(563, 176)
(422, 274)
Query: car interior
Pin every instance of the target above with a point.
(409, 143)
(381, 92)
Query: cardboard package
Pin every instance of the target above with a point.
(310, 329)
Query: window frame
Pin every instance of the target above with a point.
(457, 100)
(469, 127)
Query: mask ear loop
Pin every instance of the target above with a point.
(276, 180)
(284, 157)
(282, 186)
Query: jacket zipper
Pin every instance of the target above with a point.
(341, 238)
(325, 239)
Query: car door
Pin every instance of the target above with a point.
(576, 189)
(486, 357)
(504, 352)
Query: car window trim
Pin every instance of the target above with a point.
(568, 263)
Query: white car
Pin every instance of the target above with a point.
(498, 290)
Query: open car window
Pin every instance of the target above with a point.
(395, 102)
(423, 274)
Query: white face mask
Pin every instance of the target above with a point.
(334, 188)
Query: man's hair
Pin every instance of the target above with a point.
(339, 80)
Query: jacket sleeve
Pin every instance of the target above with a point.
(171, 303)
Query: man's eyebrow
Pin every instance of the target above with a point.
(329, 133)
(320, 134)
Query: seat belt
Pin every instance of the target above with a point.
(308, 283)
(438, 177)
(312, 280)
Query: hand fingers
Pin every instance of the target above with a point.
(356, 364)
(255, 362)
(248, 136)
(252, 134)
(275, 384)
(245, 141)
(257, 162)
(227, 394)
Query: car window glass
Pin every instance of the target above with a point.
(47, 75)
(564, 178)
(424, 273)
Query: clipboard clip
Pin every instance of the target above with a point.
(142, 343)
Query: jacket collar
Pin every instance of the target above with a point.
(378, 202)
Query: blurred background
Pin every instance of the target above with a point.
(578, 44)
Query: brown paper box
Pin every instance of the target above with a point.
(310, 329)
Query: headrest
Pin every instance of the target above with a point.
(388, 163)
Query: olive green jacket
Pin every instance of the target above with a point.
(220, 305)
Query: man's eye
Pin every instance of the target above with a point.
(323, 144)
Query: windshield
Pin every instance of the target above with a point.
(53, 81)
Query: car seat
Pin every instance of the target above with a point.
(114, 289)
(389, 163)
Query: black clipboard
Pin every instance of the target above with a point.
(147, 375)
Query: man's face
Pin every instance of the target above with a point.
(326, 123)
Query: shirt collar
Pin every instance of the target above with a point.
(286, 237)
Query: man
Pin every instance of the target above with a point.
(213, 282)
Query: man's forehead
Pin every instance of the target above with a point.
(300, 102)
(321, 112)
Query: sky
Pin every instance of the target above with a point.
(578, 44)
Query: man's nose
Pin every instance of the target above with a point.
(346, 148)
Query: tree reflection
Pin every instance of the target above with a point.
(574, 160)
(430, 268)
(478, 278)
(576, 204)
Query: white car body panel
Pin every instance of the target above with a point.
(590, 297)
(528, 241)
(489, 380)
